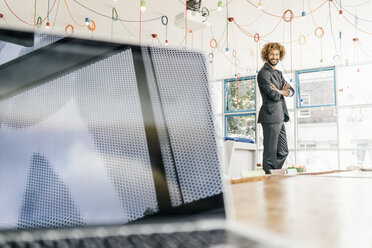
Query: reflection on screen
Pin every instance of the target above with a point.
(74, 150)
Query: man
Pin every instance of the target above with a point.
(273, 112)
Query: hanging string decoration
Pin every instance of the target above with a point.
(213, 43)
(115, 15)
(288, 17)
(69, 29)
(319, 33)
(39, 21)
(92, 25)
(164, 21)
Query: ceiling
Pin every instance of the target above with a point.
(308, 52)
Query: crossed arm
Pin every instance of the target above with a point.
(270, 89)
(285, 91)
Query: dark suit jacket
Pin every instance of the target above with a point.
(273, 109)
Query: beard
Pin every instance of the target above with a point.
(273, 63)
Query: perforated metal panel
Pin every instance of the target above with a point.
(168, 159)
(73, 151)
(183, 86)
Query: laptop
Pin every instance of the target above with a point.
(108, 145)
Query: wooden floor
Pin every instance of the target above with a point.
(325, 210)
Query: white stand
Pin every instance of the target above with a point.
(239, 156)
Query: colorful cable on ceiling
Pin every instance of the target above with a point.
(216, 45)
(234, 53)
(355, 42)
(73, 19)
(227, 27)
(362, 19)
(289, 19)
(164, 21)
(361, 30)
(125, 27)
(69, 29)
(303, 13)
(47, 25)
(257, 40)
(123, 20)
(35, 15)
(38, 22)
(333, 38)
(301, 41)
(319, 33)
(55, 17)
(114, 18)
(257, 7)
(6, 3)
(92, 25)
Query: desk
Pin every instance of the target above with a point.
(327, 210)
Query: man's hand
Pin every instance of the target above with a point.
(286, 86)
(284, 91)
(273, 87)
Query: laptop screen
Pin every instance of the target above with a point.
(96, 133)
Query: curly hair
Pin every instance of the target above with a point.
(272, 46)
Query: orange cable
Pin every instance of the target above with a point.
(251, 35)
(272, 30)
(71, 27)
(158, 40)
(312, 16)
(6, 3)
(93, 27)
(184, 37)
(77, 24)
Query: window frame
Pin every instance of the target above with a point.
(298, 88)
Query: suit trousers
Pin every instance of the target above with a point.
(275, 146)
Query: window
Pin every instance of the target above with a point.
(242, 126)
(317, 84)
(240, 95)
(240, 107)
